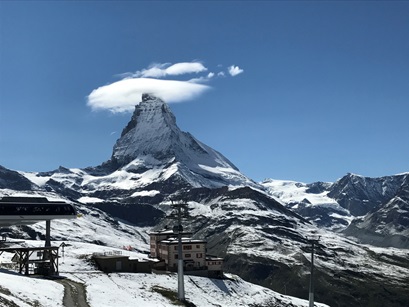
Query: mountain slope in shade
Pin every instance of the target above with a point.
(10, 179)
(360, 194)
(388, 223)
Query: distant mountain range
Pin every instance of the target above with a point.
(374, 210)
(262, 229)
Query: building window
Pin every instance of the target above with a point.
(176, 256)
(197, 246)
(199, 255)
(187, 247)
(176, 247)
(188, 255)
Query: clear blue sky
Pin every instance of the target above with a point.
(324, 89)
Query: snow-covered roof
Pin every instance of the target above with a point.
(213, 258)
(184, 240)
(168, 232)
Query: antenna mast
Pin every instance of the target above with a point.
(313, 241)
(181, 212)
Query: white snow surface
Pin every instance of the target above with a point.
(288, 191)
(129, 289)
(127, 180)
(87, 200)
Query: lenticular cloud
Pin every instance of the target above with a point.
(121, 96)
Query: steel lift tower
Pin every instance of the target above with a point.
(179, 211)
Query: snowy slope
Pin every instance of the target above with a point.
(311, 201)
(126, 289)
(375, 210)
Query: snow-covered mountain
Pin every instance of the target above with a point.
(374, 210)
(310, 201)
(153, 143)
(152, 132)
(152, 159)
(258, 228)
(360, 194)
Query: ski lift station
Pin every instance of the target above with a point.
(30, 210)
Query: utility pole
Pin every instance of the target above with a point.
(47, 233)
(311, 293)
(179, 230)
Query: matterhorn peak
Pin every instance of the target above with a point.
(150, 109)
(152, 131)
(146, 97)
(152, 138)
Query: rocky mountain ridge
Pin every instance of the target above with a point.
(374, 210)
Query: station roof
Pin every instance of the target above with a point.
(30, 210)
(168, 232)
(184, 241)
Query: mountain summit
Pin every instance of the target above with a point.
(152, 136)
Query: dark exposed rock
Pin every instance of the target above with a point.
(361, 195)
(138, 214)
(13, 180)
(317, 187)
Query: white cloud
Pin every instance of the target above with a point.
(123, 95)
(163, 70)
(185, 68)
(203, 78)
(235, 70)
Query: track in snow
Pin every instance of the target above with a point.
(74, 294)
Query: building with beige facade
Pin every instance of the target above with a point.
(164, 246)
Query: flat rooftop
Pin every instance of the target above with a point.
(30, 210)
